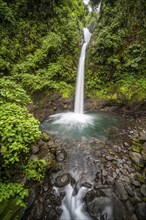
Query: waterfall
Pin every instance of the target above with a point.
(79, 96)
(73, 205)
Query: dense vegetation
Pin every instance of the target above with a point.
(40, 44)
(39, 54)
(117, 54)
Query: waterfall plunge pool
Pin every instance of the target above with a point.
(72, 125)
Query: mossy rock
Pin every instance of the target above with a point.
(136, 149)
(136, 146)
(140, 178)
(45, 137)
(136, 159)
(137, 168)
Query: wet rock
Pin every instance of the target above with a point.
(110, 158)
(53, 215)
(37, 211)
(129, 189)
(45, 137)
(143, 136)
(100, 186)
(117, 148)
(126, 144)
(133, 217)
(138, 192)
(35, 149)
(32, 197)
(110, 180)
(40, 143)
(129, 207)
(124, 172)
(100, 205)
(143, 190)
(117, 171)
(122, 193)
(144, 158)
(135, 182)
(90, 196)
(63, 180)
(134, 200)
(104, 172)
(141, 211)
(114, 175)
(60, 155)
(87, 185)
(45, 187)
(136, 158)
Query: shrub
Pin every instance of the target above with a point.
(18, 129)
(12, 92)
(15, 191)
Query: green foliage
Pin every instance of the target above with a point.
(117, 54)
(15, 191)
(128, 91)
(18, 129)
(12, 92)
(39, 53)
(43, 48)
(6, 13)
(35, 169)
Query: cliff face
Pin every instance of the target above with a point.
(117, 55)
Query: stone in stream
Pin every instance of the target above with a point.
(63, 180)
(129, 189)
(143, 136)
(136, 158)
(52, 215)
(60, 155)
(87, 185)
(141, 211)
(122, 193)
(143, 189)
(110, 158)
(144, 158)
(101, 206)
(133, 217)
(129, 207)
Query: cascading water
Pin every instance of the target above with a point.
(76, 126)
(79, 96)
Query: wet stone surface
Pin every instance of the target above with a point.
(115, 180)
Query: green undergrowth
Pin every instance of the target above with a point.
(40, 45)
(116, 67)
(124, 92)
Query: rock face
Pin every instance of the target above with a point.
(141, 211)
(122, 193)
(103, 205)
(137, 159)
(63, 180)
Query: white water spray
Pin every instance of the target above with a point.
(73, 205)
(79, 97)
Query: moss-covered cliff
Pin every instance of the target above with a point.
(117, 53)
